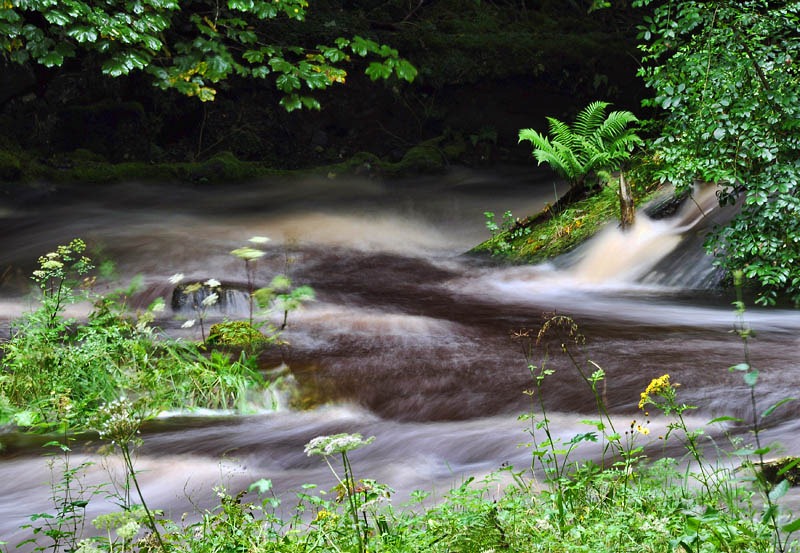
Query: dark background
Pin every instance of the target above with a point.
(486, 69)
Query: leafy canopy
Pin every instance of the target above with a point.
(594, 142)
(189, 46)
(726, 76)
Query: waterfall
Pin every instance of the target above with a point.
(660, 253)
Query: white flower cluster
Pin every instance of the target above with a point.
(337, 443)
(118, 421)
(210, 299)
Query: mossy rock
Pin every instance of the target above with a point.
(235, 334)
(223, 166)
(425, 157)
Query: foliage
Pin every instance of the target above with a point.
(69, 494)
(281, 295)
(553, 233)
(190, 49)
(725, 75)
(594, 142)
(52, 365)
(504, 234)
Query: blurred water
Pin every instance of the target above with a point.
(409, 340)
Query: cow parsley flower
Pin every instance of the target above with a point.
(337, 443)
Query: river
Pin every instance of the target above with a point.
(409, 340)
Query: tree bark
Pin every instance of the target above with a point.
(626, 207)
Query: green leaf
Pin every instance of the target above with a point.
(791, 527)
(260, 486)
(771, 409)
(360, 46)
(83, 34)
(260, 72)
(779, 491)
(254, 56)
(241, 5)
(377, 70)
(57, 18)
(724, 419)
(151, 42)
(405, 70)
(287, 83)
(51, 59)
(291, 102)
(751, 378)
(309, 102)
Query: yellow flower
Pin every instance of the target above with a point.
(656, 387)
(642, 429)
(322, 515)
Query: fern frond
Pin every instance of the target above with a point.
(595, 142)
(615, 125)
(590, 118)
(561, 132)
(537, 139)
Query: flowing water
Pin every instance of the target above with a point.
(409, 339)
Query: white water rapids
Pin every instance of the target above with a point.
(408, 338)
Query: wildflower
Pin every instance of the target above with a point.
(657, 387)
(338, 443)
(210, 300)
(128, 530)
(212, 283)
(52, 264)
(87, 546)
(118, 421)
(642, 429)
(248, 254)
(188, 324)
(322, 515)
(176, 278)
(192, 288)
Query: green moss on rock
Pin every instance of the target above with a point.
(235, 334)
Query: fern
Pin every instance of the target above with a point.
(595, 142)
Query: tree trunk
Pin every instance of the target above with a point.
(626, 207)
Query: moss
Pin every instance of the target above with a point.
(84, 166)
(224, 167)
(235, 334)
(558, 233)
(426, 157)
